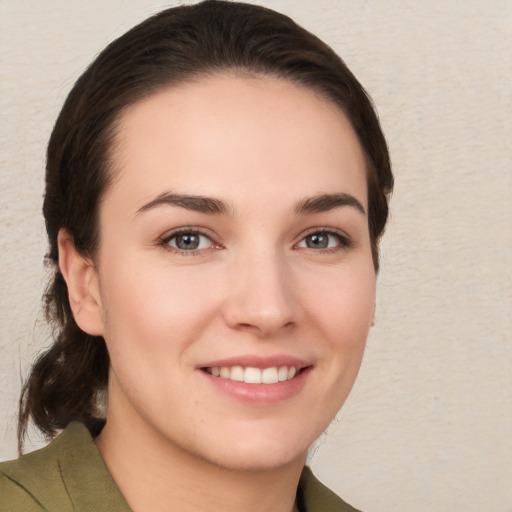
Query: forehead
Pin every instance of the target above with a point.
(220, 134)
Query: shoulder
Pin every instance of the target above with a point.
(313, 496)
(14, 497)
(68, 474)
(25, 482)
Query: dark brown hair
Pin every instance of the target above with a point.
(176, 45)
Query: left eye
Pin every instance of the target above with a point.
(322, 240)
(189, 241)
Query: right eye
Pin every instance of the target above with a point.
(188, 241)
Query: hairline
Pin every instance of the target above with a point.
(113, 161)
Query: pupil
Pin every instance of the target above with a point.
(187, 242)
(317, 241)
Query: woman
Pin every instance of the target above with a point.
(216, 189)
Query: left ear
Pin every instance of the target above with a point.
(83, 288)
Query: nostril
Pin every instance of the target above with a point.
(262, 307)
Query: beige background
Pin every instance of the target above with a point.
(428, 426)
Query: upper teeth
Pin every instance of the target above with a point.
(251, 375)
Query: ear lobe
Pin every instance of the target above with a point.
(83, 288)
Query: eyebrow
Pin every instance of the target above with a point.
(326, 202)
(213, 206)
(200, 204)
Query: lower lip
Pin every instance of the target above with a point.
(260, 393)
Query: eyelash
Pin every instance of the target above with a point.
(166, 239)
(344, 242)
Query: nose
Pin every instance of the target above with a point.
(261, 298)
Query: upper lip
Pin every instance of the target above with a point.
(255, 361)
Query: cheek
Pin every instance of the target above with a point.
(345, 304)
(154, 308)
(344, 312)
(343, 307)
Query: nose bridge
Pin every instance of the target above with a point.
(261, 291)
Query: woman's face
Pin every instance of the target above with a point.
(234, 240)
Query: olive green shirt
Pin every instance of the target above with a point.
(69, 475)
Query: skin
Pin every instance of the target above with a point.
(256, 286)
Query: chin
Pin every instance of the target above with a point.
(258, 453)
(258, 462)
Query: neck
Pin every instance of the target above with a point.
(153, 471)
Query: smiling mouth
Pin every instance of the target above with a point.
(251, 375)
